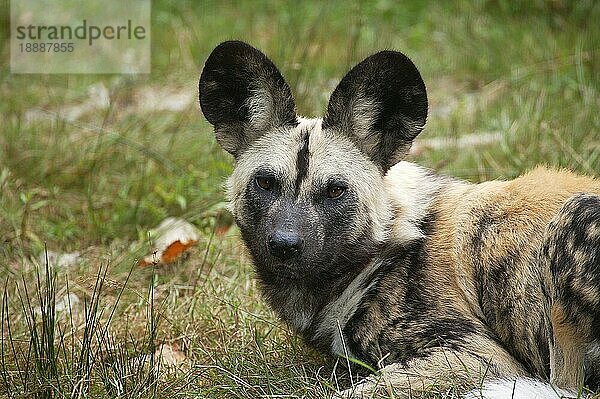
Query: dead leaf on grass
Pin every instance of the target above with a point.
(173, 237)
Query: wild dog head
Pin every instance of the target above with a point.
(308, 194)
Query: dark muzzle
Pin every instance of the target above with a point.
(285, 245)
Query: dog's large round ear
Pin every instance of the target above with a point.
(243, 95)
(381, 105)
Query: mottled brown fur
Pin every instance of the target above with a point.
(481, 263)
(500, 228)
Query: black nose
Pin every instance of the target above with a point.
(285, 244)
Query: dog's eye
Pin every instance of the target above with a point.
(266, 183)
(335, 191)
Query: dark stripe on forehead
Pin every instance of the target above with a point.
(302, 161)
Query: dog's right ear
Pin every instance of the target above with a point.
(380, 105)
(243, 95)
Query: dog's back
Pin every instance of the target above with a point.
(498, 230)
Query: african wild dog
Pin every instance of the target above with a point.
(371, 257)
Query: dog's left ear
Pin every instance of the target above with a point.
(380, 105)
(243, 95)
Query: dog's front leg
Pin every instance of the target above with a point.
(441, 371)
(571, 252)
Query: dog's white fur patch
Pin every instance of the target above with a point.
(337, 313)
(521, 388)
(412, 189)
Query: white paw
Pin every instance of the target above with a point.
(381, 383)
(362, 390)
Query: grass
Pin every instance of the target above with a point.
(528, 72)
